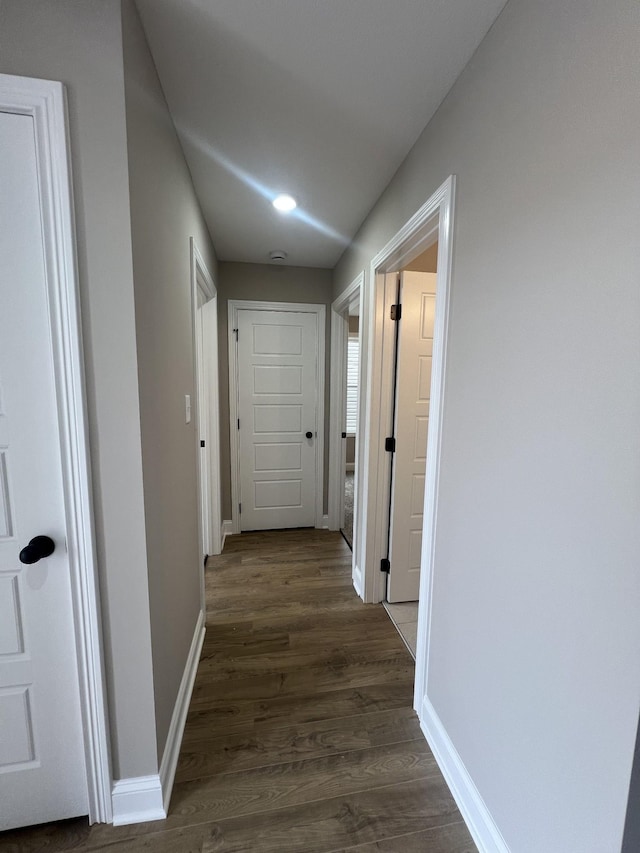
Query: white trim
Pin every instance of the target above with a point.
(477, 816)
(211, 354)
(204, 322)
(45, 102)
(337, 389)
(337, 392)
(325, 522)
(356, 578)
(445, 201)
(433, 221)
(378, 424)
(337, 446)
(321, 369)
(225, 530)
(179, 717)
(137, 800)
(200, 275)
(202, 291)
(235, 305)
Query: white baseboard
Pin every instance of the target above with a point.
(477, 816)
(357, 580)
(226, 530)
(137, 799)
(325, 522)
(179, 717)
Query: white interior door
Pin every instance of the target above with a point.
(413, 393)
(210, 358)
(42, 769)
(204, 381)
(277, 410)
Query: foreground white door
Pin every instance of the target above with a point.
(42, 770)
(413, 393)
(278, 413)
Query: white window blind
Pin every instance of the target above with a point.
(353, 364)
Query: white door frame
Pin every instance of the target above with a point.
(337, 388)
(234, 306)
(337, 412)
(207, 399)
(45, 102)
(433, 221)
(207, 408)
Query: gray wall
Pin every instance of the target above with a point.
(79, 42)
(270, 283)
(632, 825)
(164, 215)
(535, 631)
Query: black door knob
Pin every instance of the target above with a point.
(39, 547)
(309, 434)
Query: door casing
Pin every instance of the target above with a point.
(45, 102)
(433, 221)
(235, 305)
(203, 290)
(337, 408)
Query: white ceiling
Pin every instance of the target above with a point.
(318, 98)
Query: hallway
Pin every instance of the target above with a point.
(300, 735)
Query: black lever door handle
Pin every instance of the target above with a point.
(39, 547)
(309, 434)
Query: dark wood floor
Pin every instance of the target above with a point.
(300, 735)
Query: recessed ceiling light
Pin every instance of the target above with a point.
(284, 203)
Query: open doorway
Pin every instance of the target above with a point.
(205, 338)
(352, 395)
(415, 287)
(345, 447)
(432, 223)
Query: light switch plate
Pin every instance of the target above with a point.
(187, 408)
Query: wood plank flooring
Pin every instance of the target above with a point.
(300, 736)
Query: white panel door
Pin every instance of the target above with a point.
(204, 482)
(42, 771)
(277, 408)
(413, 392)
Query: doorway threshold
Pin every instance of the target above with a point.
(346, 539)
(405, 619)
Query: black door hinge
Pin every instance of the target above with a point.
(396, 311)
(238, 423)
(344, 435)
(390, 444)
(385, 566)
(240, 508)
(202, 444)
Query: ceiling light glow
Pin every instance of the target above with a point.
(284, 203)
